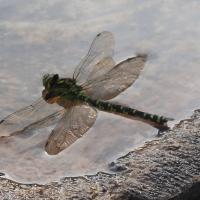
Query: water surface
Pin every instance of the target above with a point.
(51, 37)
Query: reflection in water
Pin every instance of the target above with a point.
(39, 38)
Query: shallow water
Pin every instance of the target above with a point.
(36, 38)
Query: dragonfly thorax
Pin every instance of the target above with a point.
(59, 88)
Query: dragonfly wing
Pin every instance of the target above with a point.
(75, 122)
(19, 120)
(116, 80)
(101, 47)
(100, 69)
(42, 123)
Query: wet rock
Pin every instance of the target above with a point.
(166, 168)
(116, 167)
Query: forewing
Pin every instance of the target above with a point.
(21, 119)
(100, 69)
(42, 123)
(75, 122)
(101, 47)
(116, 80)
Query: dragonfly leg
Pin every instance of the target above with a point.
(162, 131)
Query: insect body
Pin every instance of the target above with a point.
(96, 79)
(66, 90)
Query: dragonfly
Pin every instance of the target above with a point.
(96, 80)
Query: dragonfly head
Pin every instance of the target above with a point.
(49, 83)
(56, 87)
(49, 80)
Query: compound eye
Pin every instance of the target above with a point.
(45, 79)
(55, 76)
(54, 80)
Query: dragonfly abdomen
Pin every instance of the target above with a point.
(156, 121)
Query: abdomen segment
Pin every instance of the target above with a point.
(154, 120)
